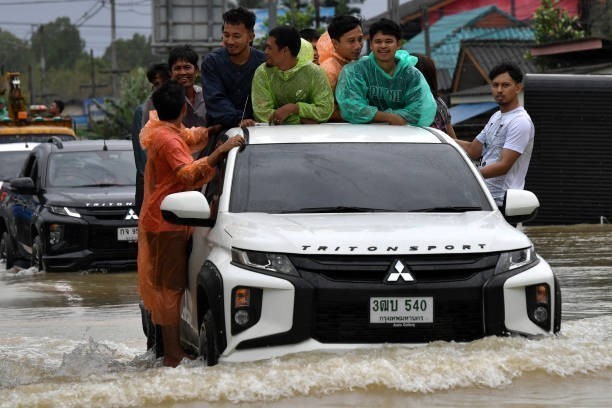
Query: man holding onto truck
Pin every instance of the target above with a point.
(506, 142)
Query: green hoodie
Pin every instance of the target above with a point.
(364, 88)
(305, 85)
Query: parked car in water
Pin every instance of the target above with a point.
(72, 207)
(339, 236)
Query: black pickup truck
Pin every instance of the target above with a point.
(71, 207)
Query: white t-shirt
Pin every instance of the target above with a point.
(510, 130)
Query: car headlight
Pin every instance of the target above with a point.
(263, 260)
(67, 211)
(516, 259)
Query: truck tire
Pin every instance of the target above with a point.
(37, 254)
(209, 349)
(7, 250)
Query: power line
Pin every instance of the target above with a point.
(83, 26)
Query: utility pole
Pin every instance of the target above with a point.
(113, 49)
(271, 14)
(92, 73)
(317, 13)
(43, 70)
(393, 9)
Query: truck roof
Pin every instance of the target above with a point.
(340, 133)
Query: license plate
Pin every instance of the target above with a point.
(127, 234)
(401, 310)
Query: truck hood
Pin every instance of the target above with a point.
(91, 197)
(379, 233)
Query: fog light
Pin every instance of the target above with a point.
(241, 317)
(242, 297)
(540, 314)
(56, 233)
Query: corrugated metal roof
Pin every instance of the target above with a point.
(446, 36)
(489, 53)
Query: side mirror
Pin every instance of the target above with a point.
(187, 208)
(23, 185)
(520, 206)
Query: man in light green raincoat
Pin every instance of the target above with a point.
(288, 88)
(385, 86)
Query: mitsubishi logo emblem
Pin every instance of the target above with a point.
(398, 270)
(131, 215)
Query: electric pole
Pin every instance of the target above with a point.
(113, 49)
(271, 14)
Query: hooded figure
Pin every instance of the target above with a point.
(302, 85)
(364, 88)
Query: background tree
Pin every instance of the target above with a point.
(344, 6)
(14, 53)
(61, 41)
(551, 24)
(135, 52)
(119, 113)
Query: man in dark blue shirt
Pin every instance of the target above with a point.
(227, 72)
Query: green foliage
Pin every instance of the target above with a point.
(61, 42)
(297, 17)
(120, 113)
(135, 52)
(343, 6)
(552, 24)
(14, 53)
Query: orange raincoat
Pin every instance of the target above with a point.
(162, 246)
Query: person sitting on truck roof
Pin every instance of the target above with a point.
(506, 142)
(162, 246)
(4, 115)
(385, 86)
(289, 88)
(55, 109)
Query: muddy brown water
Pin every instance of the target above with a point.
(75, 340)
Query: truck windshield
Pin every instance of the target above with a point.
(91, 169)
(354, 177)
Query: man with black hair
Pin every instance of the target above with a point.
(312, 36)
(56, 108)
(227, 72)
(385, 86)
(183, 63)
(157, 74)
(288, 89)
(506, 142)
(347, 39)
(162, 246)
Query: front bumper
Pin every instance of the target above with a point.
(330, 304)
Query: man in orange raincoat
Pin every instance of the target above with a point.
(162, 247)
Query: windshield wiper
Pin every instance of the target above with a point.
(101, 185)
(337, 209)
(448, 209)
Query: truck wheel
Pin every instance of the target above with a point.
(37, 254)
(208, 340)
(7, 251)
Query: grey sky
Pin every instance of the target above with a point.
(21, 16)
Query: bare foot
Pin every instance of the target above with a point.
(174, 361)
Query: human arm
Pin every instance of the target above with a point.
(261, 95)
(219, 107)
(351, 95)
(502, 166)
(321, 106)
(419, 106)
(519, 134)
(390, 118)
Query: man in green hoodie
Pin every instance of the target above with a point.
(288, 88)
(385, 86)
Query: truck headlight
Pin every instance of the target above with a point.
(67, 211)
(515, 259)
(263, 260)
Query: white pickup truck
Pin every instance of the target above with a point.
(340, 236)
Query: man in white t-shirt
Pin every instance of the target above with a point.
(506, 142)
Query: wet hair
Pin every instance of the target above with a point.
(310, 34)
(512, 69)
(60, 105)
(387, 27)
(238, 16)
(160, 69)
(168, 100)
(339, 25)
(427, 67)
(183, 52)
(286, 36)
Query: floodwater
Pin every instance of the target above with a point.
(75, 340)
